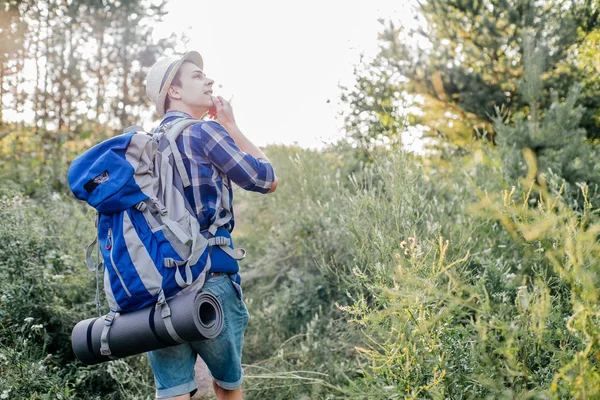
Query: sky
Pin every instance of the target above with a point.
(282, 61)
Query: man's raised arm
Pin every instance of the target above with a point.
(224, 113)
(247, 146)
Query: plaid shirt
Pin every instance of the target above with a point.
(211, 157)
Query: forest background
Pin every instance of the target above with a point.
(469, 271)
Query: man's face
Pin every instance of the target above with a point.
(194, 87)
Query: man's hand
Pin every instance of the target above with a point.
(221, 111)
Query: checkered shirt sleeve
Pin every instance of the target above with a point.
(248, 172)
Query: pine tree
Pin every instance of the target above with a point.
(553, 136)
(466, 57)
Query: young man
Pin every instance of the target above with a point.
(214, 154)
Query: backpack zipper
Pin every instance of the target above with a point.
(113, 262)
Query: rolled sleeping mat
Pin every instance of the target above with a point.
(193, 316)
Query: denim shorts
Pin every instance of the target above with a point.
(173, 367)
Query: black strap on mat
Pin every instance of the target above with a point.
(153, 328)
(89, 338)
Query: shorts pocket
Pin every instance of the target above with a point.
(238, 289)
(242, 305)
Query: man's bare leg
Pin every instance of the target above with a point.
(224, 394)
(181, 397)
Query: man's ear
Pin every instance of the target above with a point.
(173, 92)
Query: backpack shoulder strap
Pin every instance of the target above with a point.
(171, 135)
(134, 128)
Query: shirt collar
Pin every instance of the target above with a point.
(174, 113)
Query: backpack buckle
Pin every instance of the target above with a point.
(141, 206)
(104, 346)
(159, 206)
(165, 311)
(109, 318)
(219, 241)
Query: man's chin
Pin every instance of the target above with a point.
(201, 109)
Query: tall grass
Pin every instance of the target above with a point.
(45, 289)
(413, 282)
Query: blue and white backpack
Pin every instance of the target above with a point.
(151, 245)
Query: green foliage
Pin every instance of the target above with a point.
(36, 165)
(587, 62)
(461, 59)
(320, 232)
(45, 289)
(404, 278)
(445, 283)
(292, 342)
(493, 321)
(554, 136)
(377, 117)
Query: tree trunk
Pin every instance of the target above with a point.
(1, 90)
(123, 117)
(46, 73)
(61, 90)
(100, 86)
(36, 91)
(69, 78)
(125, 93)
